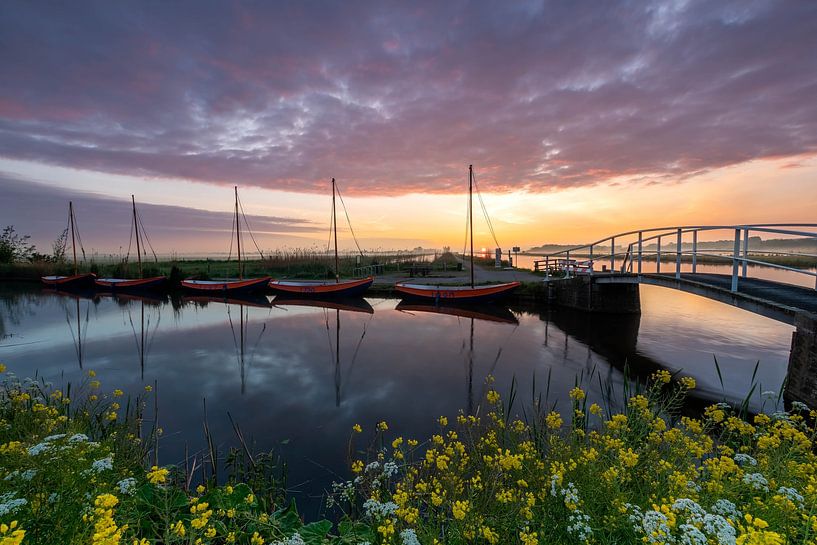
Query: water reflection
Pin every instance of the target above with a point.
(304, 372)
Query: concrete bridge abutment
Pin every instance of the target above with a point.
(802, 374)
(594, 294)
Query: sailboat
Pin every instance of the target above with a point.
(336, 288)
(76, 280)
(229, 286)
(462, 294)
(127, 284)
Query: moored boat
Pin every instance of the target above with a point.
(76, 280)
(133, 284)
(307, 288)
(461, 294)
(229, 285)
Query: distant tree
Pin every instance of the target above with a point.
(14, 247)
(59, 246)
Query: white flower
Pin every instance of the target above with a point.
(9, 504)
(727, 509)
(579, 525)
(756, 481)
(39, 448)
(692, 536)
(78, 438)
(799, 406)
(791, 494)
(375, 509)
(409, 537)
(53, 497)
(105, 464)
(742, 459)
(655, 526)
(53, 437)
(389, 469)
(695, 512)
(373, 466)
(719, 527)
(126, 485)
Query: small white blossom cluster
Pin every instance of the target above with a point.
(389, 469)
(691, 535)
(10, 504)
(699, 528)
(791, 494)
(39, 448)
(26, 475)
(126, 486)
(727, 509)
(756, 481)
(296, 539)
(344, 490)
(376, 509)
(409, 537)
(105, 464)
(744, 459)
(579, 526)
(799, 406)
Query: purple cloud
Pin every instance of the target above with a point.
(393, 98)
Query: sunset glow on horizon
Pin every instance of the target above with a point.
(674, 113)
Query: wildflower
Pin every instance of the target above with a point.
(460, 508)
(210, 532)
(595, 409)
(250, 499)
(377, 510)
(157, 475)
(443, 421)
(688, 383)
(409, 537)
(91, 373)
(357, 466)
(663, 376)
(553, 420)
(528, 538)
(105, 464)
(256, 539)
(118, 393)
(756, 481)
(10, 534)
(493, 397)
(577, 394)
(2, 368)
(148, 388)
(94, 384)
(356, 428)
(382, 426)
(126, 486)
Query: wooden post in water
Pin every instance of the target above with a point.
(745, 251)
(678, 255)
(735, 256)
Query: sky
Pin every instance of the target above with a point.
(581, 119)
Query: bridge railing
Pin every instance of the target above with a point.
(629, 256)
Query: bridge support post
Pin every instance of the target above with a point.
(801, 384)
(694, 251)
(745, 251)
(640, 240)
(602, 294)
(735, 260)
(613, 254)
(591, 260)
(678, 255)
(658, 258)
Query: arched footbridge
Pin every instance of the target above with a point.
(734, 264)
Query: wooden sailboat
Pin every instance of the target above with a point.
(461, 294)
(336, 288)
(75, 280)
(128, 284)
(233, 285)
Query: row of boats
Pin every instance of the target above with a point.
(300, 288)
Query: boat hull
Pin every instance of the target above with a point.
(347, 288)
(119, 284)
(217, 287)
(73, 281)
(457, 294)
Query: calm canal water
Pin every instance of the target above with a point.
(299, 384)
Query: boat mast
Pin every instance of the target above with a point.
(238, 235)
(73, 239)
(471, 216)
(136, 228)
(335, 227)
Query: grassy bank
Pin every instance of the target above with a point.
(76, 470)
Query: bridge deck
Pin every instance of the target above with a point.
(784, 296)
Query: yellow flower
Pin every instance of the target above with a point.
(662, 376)
(200, 489)
(15, 537)
(210, 532)
(460, 509)
(687, 382)
(2, 368)
(528, 538)
(118, 393)
(357, 466)
(356, 428)
(493, 397)
(595, 409)
(250, 498)
(553, 420)
(157, 475)
(91, 373)
(382, 426)
(94, 384)
(148, 388)
(397, 442)
(228, 489)
(256, 539)
(443, 421)
(577, 394)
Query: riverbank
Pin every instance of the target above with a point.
(77, 469)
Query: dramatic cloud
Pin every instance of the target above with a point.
(42, 212)
(400, 97)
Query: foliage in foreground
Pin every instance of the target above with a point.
(72, 473)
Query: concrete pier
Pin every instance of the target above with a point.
(596, 294)
(802, 374)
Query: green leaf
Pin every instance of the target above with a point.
(315, 531)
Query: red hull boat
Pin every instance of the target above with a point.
(456, 293)
(73, 281)
(220, 287)
(343, 288)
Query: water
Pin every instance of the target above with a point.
(300, 383)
